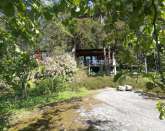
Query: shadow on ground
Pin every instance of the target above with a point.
(148, 95)
(99, 125)
(54, 116)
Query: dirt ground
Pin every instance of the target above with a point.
(102, 110)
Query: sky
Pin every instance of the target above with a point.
(49, 2)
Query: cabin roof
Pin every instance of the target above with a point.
(90, 52)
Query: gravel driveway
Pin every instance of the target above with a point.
(122, 111)
(103, 110)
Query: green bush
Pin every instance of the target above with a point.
(161, 109)
(48, 86)
(150, 85)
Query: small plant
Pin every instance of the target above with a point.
(149, 86)
(48, 86)
(161, 108)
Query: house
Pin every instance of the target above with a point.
(40, 55)
(97, 60)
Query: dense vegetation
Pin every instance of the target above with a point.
(134, 29)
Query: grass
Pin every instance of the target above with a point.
(80, 87)
(145, 84)
(91, 82)
(10, 106)
(97, 82)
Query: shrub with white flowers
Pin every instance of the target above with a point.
(62, 65)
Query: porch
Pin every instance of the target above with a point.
(97, 60)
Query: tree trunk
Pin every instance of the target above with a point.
(114, 64)
(158, 47)
(105, 60)
(104, 56)
(109, 59)
(24, 87)
(145, 64)
(155, 37)
(109, 55)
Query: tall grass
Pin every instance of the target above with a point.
(96, 82)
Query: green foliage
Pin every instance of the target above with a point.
(88, 33)
(149, 82)
(48, 86)
(126, 21)
(161, 108)
(19, 31)
(154, 79)
(150, 85)
(133, 29)
(10, 105)
(15, 70)
(41, 68)
(41, 92)
(55, 38)
(19, 20)
(117, 76)
(127, 56)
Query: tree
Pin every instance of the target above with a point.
(88, 33)
(19, 30)
(55, 37)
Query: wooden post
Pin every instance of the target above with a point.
(89, 71)
(91, 60)
(85, 61)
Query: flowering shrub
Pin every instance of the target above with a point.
(62, 65)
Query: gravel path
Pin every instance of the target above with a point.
(122, 111)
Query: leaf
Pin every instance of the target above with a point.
(161, 108)
(76, 2)
(117, 76)
(7, 7)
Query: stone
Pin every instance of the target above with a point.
(129, 87)
(121, 88)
